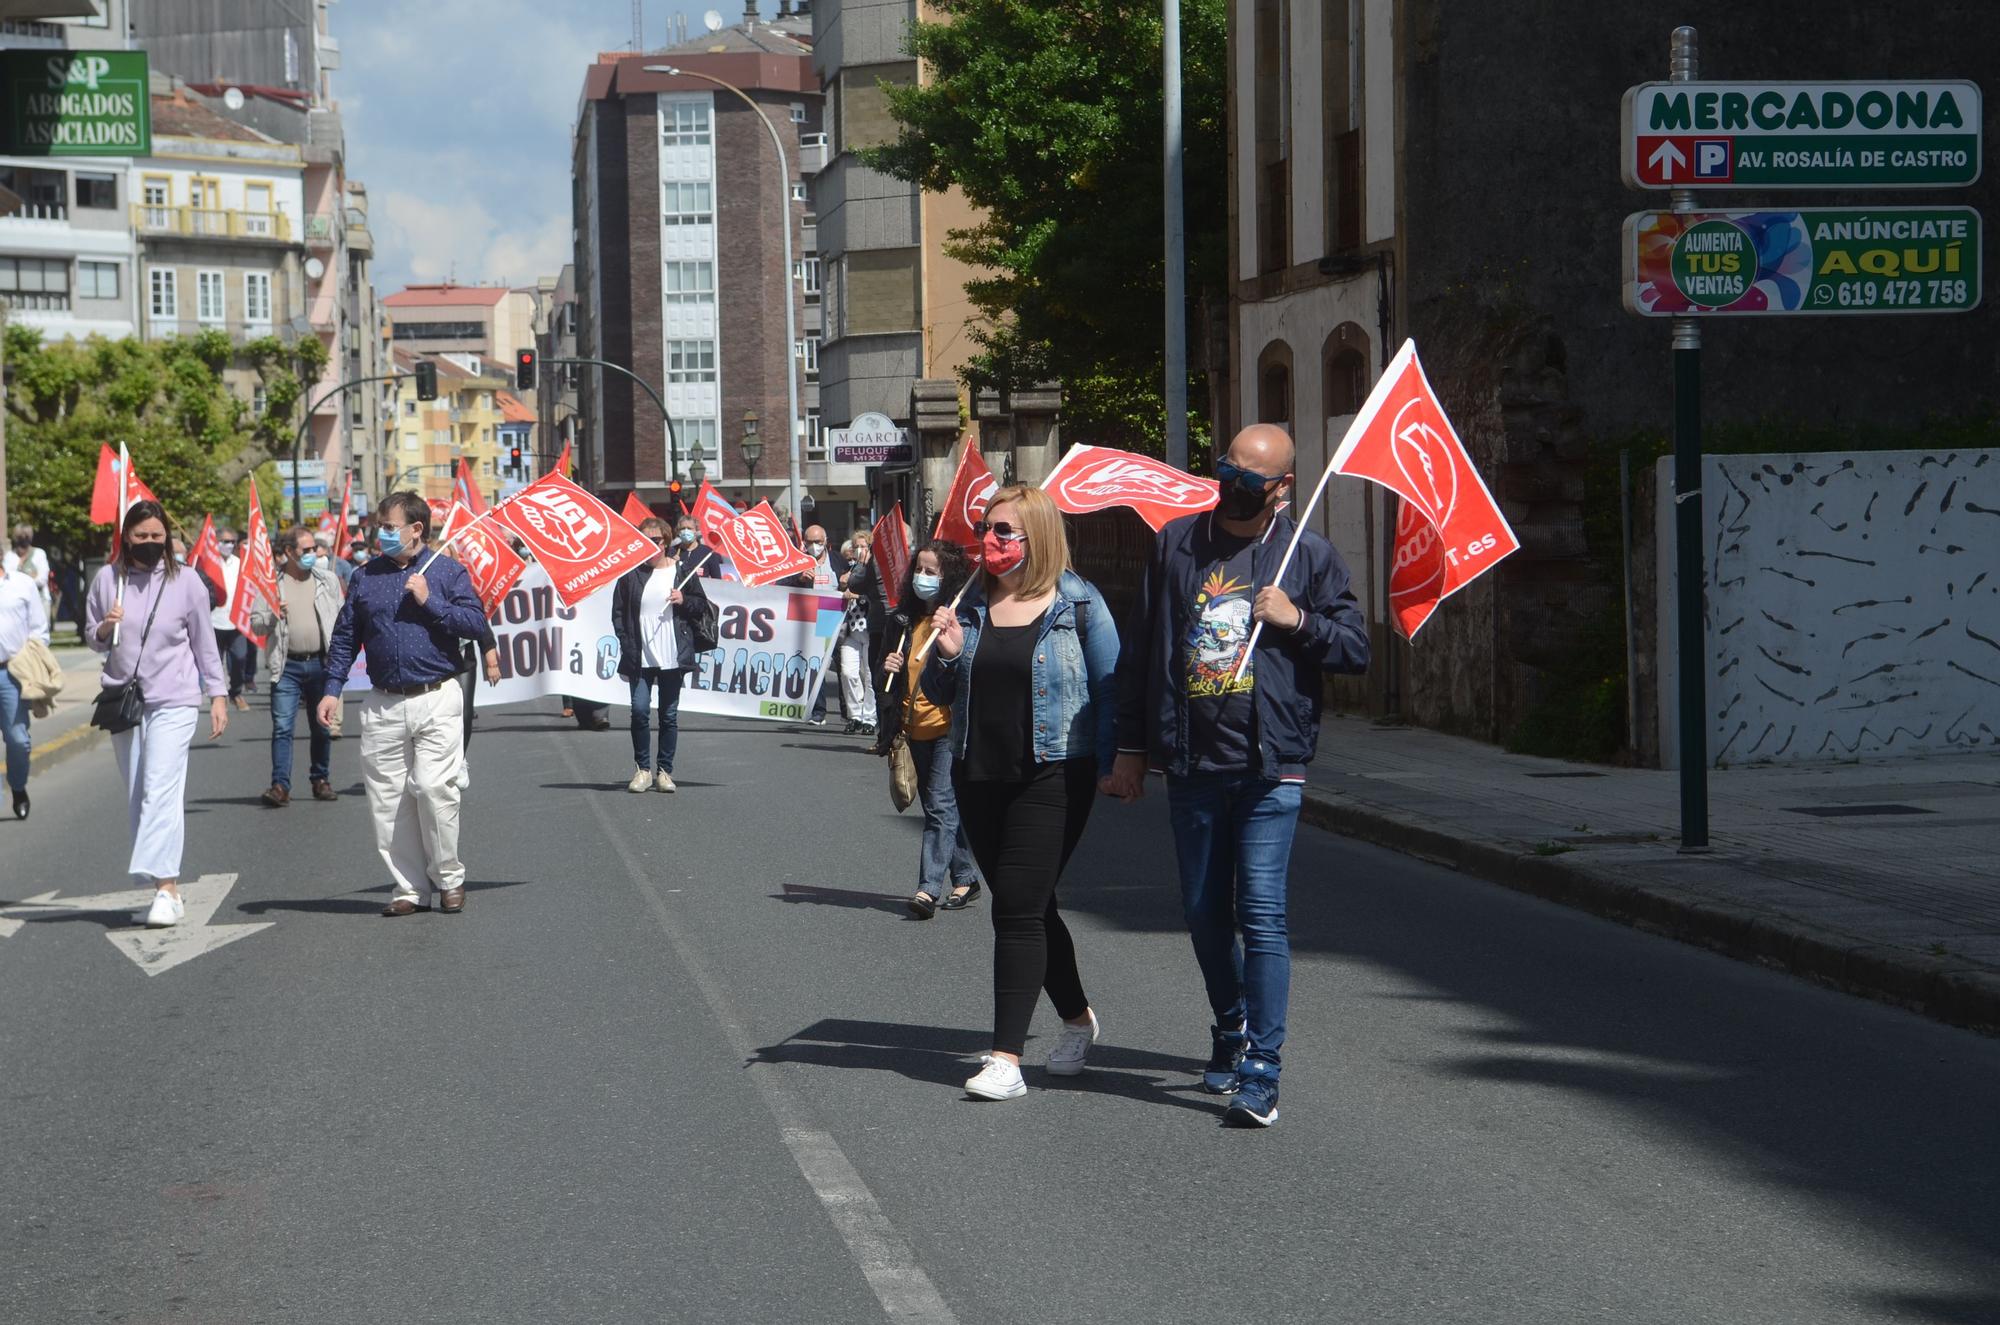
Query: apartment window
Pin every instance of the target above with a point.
(881, 291)
(35, 283)
(798, 191)
(688, 282)
(257, 209)
(815, 438)
(808, 274)
(409, 409)
(164, 293)
(257, 297)
(808, 354)
(798, 112)
(684, 124)
(438, 331)
(97, 191)
(157, 191)
(260, 400)
(697, 438)
(1271, 35)
(690, 361)
(687, 204)
(208, 301)
(1274, 384)
(97, 280)
(1340, 75)
(409, 441)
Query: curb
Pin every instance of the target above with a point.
(1900, 976)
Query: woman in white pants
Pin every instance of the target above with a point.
(150, 615)
(857, 684)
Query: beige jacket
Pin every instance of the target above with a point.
(39, 675)
(270, 623)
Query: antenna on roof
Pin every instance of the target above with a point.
(638, 25)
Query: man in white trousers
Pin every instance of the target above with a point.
(409, 609)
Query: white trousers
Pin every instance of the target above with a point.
(153, 759)
(412, 751)
(857, 689)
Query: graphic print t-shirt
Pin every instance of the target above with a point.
(1222, 721)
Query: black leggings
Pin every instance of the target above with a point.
(1022, 834)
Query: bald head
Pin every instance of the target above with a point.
(1262, 448)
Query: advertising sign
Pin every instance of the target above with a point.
(1816, 260)
(75, 103)
(872, 439)
(1741, 135)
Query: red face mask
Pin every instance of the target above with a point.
(1002, 556)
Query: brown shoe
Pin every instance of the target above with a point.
(323, 791)
(451, 900)
(277, 797)
(402, 906)
(242, 704)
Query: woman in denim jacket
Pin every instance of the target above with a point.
(1026, 664)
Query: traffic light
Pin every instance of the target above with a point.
(674, 488)
(524, 370)
(427, 380)
(514, 459)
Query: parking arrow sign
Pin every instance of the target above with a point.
(1665, 157)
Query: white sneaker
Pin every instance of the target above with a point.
(642, 780)
(464, 775)
(1072, 1047)
(663, 781)
(166, 911)
(998, 1079)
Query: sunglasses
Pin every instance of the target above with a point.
(1001, 530)
(1225, 472)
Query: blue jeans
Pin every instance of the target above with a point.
(946, 861)
(669, 686)
(14, 727)
(303, 682)
(1233, 834)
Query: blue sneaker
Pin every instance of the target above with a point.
(1256, 1102)
(1219, 1077)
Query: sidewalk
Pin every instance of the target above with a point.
(1876, 878)
(67, 730)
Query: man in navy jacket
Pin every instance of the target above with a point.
(1234, 748)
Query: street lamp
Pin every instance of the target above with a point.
(785, 210)
(752, 448)
(697, 472)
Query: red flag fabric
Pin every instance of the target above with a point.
(584, 544)
(1449, 531)
(466, 489)
(562, 462)
(346, 507)
(756, 542)
(258, 578)
(965, 505)
(440, 512)
(455, 518)
(206, 557)
(1094, 478)
(891, 545)
(105, 493)
(711, 512)
(636, 511)
(485, 550)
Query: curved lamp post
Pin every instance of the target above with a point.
(752, 448)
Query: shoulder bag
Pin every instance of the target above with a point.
(120, 708)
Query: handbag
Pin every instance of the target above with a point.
(902, 773)
(120, 708)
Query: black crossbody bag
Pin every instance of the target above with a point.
(121, 708)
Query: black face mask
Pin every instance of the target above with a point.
(1240, 501)
(147, 555)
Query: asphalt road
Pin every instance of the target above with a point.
(685, 1059)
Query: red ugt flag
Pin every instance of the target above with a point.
(972, 487)
(1449, 531)
(482, 547)
(1092, 478)
(467, 490)
(206, 557)
(637, 511)
(756, 542)
(892, 552)
(584, 543)
(711, 512)
(259, 575)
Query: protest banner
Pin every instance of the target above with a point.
(972, 487)
(1095, 478)
(756, 542)
(585, 544)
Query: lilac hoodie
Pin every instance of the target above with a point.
(181, 662)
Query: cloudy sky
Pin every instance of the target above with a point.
(458, 116)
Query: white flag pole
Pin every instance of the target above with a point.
(694, 570)
(124, 505)
(925, 651)
(1284, 564)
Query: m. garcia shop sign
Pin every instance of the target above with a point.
(75, 103)
(1802, 135)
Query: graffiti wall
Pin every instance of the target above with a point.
(1853, 605)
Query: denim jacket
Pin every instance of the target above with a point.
(1075, 704)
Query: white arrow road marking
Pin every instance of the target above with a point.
(1669, 153)
(151, 950)
(9, 926)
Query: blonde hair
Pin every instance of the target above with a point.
(1048, 543)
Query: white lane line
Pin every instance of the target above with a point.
(884, 1255)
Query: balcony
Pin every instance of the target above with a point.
(211, 223)
(320, 230)
(161, 328)
(812, 153)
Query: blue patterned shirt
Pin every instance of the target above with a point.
(408, 643)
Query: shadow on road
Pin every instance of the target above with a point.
(366, 902)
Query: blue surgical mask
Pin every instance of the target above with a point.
(307, 561)
(685, 536)
(391, 541)
(927, 586)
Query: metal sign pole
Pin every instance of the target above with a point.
(1692, 659)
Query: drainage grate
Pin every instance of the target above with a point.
(1565, 775)
(1845, 811)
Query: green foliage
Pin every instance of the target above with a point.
(1046, 115)
(167, 401)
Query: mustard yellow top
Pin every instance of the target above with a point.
(922, 720)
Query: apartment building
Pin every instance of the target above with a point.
(445, 318)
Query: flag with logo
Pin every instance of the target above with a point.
(1449, 531)
(891, 545)
(1094, 478)
(711, 512)
(456, 517)
(206, 557)
(972, 487)
(465, 489)
(637, 511)
(585, 544)
(756, 542)
(258, 579)
(484, 549)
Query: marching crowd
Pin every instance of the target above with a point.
(994, 679)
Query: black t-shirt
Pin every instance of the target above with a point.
(1222, 714)
(1000, 724)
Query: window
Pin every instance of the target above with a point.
(97, 191)
(35, 283)
(409, 441)
(690, 361)
(256, 209)
(1340, 66)
(684, 123)
(815, 439)
(257, 297)
(157, 191)
(697, 438)
(687, 204)
(260, 400)
(97, 280)
(881, 291)
(1274, 384)
(438, 331)
(798, 191)
(864, 119)
(409, 409)
(808, 354)
(1273, 51)
(208, 302)
(798, 112)
(688, 282)
(808, 274)
(164, 293)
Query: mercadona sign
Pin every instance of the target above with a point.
(1814, 260)
(1802, 135)
(75, 103)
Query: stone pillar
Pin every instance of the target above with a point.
(934, 419)
(996, 435)
(1037, 426)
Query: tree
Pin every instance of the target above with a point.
(1046, 115)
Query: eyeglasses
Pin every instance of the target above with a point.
(1226, 472)
(1001, 530)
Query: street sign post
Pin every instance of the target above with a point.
(1776, 135)
(1811, 260)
